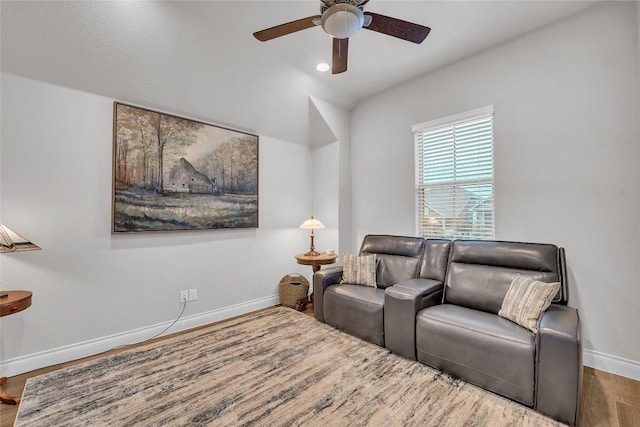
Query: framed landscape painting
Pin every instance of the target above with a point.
(173, 173)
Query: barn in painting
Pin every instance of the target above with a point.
(184, 178)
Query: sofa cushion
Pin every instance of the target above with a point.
(359, 270)
(480, 272)
(358, 310)
(525, 301)
(478, 347)
(398, 257)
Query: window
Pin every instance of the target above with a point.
(454, 176)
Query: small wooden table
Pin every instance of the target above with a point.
(316, 261)
(14, 302)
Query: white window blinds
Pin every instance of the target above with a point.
(454, 176)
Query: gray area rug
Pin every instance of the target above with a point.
(272, 368)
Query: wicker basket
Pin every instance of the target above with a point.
(292, 288)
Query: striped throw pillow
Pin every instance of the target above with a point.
(359, 270)
(526, 300)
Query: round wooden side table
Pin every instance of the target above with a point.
(12, 302)
(315, 261)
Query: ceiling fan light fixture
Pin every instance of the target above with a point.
(342, 21)
(323, 66)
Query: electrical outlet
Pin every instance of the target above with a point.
(184, 295)
(193, 294)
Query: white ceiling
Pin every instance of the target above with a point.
(377, 62)
(183, 55)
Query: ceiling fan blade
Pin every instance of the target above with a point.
(284, 29)
(340, 52)
(394, 27)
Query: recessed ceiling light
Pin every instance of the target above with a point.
(323, 66)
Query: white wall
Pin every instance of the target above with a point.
(325, 195)
(89, 284)
(324, 159)
(339, 121)
(566, 155)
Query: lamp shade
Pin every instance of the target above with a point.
(10, 241)
(312, 224)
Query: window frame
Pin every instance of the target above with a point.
(443, 124)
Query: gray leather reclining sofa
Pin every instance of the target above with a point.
(437, 302)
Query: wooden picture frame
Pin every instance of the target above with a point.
(173, 173)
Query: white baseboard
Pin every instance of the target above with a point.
(612, 364)
(30, 362)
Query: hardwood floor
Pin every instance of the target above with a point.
(608, 400)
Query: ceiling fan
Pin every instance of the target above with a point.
(342, 19)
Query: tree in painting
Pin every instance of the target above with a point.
(172, 173)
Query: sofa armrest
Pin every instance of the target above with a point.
(559, 364)
(322, 279)
(401, 304)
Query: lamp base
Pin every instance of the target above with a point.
(312, 253)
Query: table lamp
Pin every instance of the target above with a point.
(312, 224)
(10, 241)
